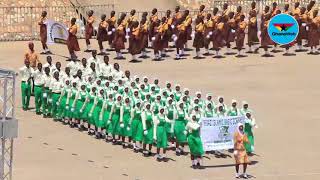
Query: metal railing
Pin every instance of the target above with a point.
(21, 23)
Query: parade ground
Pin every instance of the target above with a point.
(282, 91)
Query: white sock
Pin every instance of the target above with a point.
(194, 162)
(287, 51)
(134, 57)
(250, 49)
(198, 53)
(239, 53)
(182, 52)
(207, 51)
(228, 50)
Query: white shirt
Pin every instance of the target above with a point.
(74, 67)
(64, 77)
(52, 67)
(117, 75)
(56, 86)
(85, 72)
(38, 77)
(105, 70)
(96, 60)
(47, 80)
(25, 73)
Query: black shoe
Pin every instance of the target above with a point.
(267, 55)
(178, 153)
(135, 61)
(301, 50)
(120, 58)
(144, 56)
(249, 52)
(198, 57)
(43, 53)
(275, 51)
(207, 54)
(241, 56)
(49, 52)
(87, 50)
(289, 54)
(230, 53)
(102, 54)
(194, 166)
(218, 57)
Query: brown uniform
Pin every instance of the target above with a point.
(198, 41)
(143, 36)
(111, 28)
(102, 33)
(240, 34)
(120, 37)
(181, 36)
(313, 33)
(230, 27)
(43, 31)
(265, 38)
(253, 31)
(134, 41)
(89, 29)
(153, 20)
(188, 25)
(72, 41)
(217, 36)
(208, 31)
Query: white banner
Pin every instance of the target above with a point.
(217, 133)
(56, 32)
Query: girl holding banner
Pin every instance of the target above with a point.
(194, 141)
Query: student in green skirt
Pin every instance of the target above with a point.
(209, 111)
(250, 123)
(160, 133)
(194, 141)
(169, 111)
(125, 116)
(46, 92)
(105, 113)
(114, 118)
(177, 93)
(147, 122)
(79, 105)
(97, 116)
(64, 102)
(72, 98)
(245, 108)
(210, 100)
(89, 110)
(136, 126)
(180, 121)
(233, 110)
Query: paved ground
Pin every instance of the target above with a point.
(283, 91)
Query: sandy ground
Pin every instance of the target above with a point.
(283, 91)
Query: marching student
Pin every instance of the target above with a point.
(38, 87)
(217, 36)
(148, 125)
(180, 121)
(72, 41)
(250, 123)
(94, 59)
(70, 107)
(46, 105)
(120, 37)
(105, 68)
(194, 141)
(313, 33)
(245, 108)
(229, 30)
(144, 33)
(265, 38)
(102, 34)
(209, 111)
(56, 88)
(125, 116)
(253, 39)
(134, 41)
(89, 30)
(170, 109)
(160, 134)
(26, 75)
(198, 41)
(240, 153)
(114, 118)
(208, 30)
(111, 27)
(43, 32)
(74, 66)
(240, 36)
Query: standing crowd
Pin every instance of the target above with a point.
(216, 30)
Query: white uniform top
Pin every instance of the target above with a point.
(52, 67)
(74, 67)
(117, 75)
(79, 81)
(104, 69)
(96, 60)
(25, 73)
(47, 80)
(56, 86)
(64, 77)
(91, 74)
(38, 77)
(85, 72)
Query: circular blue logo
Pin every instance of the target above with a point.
(283, 29)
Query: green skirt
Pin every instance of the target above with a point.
(162, 139)
(124, 131)
(62, 107)
(250, 146)
(148, 139)
(96, 114)
(87, 111)
(195, 144)
(114, 126)
(179, 128)
(137, 130)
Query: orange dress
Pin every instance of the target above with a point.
(43, 30)
(239, 140)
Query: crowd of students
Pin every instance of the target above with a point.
(97, 97)
(216, 30)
